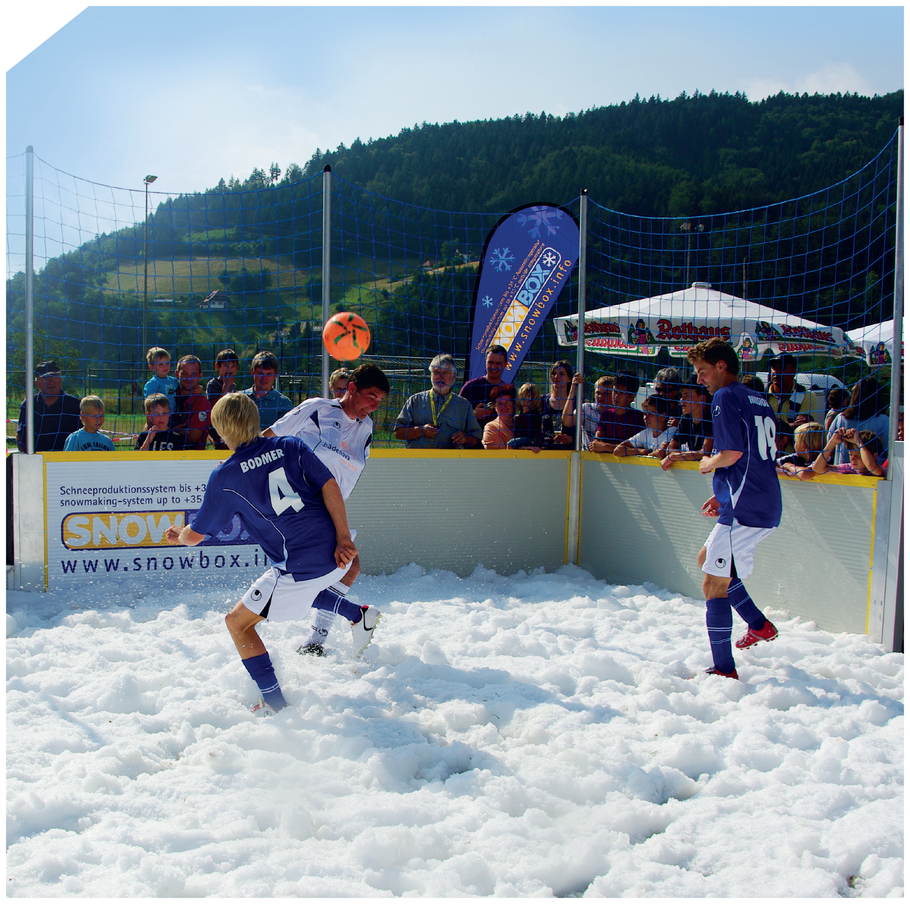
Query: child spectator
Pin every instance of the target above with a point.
(862, 447)
(695, 438)
(226, 364)
(338, 383)
(159, 437)
(862, 414)
(657, 435)
(159, 361)
(808, 441)
(193, 409)
(591, 412)
(528, 427)
(621, 421)
(271, 403)
(87, 438)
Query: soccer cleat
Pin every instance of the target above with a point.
(311, 649)
(723, 674)
(750, 638)
(362, 631)
(262, 709)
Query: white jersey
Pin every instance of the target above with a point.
(340, 442)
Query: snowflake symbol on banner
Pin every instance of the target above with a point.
(501, 259)
(487, 301)
(539, 217)
(549, 258)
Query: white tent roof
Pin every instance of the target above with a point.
(872, 338)
(677, 320)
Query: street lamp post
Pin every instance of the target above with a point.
(148, 180)
(689, 228)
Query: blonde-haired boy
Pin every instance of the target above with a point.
(289, 503)
(159, 362)
(87, 438)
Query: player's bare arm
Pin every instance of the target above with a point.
(185, 536)
(719, 460)
(345, 550)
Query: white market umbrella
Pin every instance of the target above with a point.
(876, 342)
(678, 320)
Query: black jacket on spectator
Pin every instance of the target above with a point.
(52, 425)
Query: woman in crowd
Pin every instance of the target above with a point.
(862, 413)
(554, 404)
(498, 432)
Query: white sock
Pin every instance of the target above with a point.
(322, 623)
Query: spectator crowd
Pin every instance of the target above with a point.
(839, 432)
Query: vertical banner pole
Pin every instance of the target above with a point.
(582, 289)
(573, 527)
(326, 268)
(898, 343)
(30, 297)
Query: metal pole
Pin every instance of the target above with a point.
(573, 526)
(326, 267)
(898, 293)
(29, 299)
(582, 290)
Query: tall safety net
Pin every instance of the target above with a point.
(118, 271)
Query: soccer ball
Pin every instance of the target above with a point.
(346, 336)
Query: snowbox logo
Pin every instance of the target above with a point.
(119, 529)
(720, 563)
(716, 410)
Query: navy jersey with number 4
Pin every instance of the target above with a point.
(275, 486)
(748, 490)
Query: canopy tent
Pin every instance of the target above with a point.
(678, 320)
(876, 342)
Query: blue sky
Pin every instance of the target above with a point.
(198, 93)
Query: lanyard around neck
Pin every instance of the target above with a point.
(437, 415)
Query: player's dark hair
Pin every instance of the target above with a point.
(497, 350)
(369, 376)
(265, 360)
(713, 351)
(226, 354)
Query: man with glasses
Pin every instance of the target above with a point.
(438, 418)
(56, 412)
(478, 391)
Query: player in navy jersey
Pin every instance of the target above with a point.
(746, 500)
(291, 505)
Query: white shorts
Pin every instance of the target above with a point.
(730, 544)
(279, 597)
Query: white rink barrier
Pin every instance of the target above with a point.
(835, 559)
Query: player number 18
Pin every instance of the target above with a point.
(767, 441)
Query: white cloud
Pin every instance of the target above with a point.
(832, 78)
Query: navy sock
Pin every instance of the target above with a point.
(719, 618)
(332, 601)
(261, 671)
(745, 608)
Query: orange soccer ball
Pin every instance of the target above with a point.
(346, 336)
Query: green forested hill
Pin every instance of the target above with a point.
(692, 155)
(702, 156)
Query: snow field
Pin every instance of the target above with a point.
(531, 735)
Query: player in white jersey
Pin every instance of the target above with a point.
(339, 432)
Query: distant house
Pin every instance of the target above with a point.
(217, 301)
